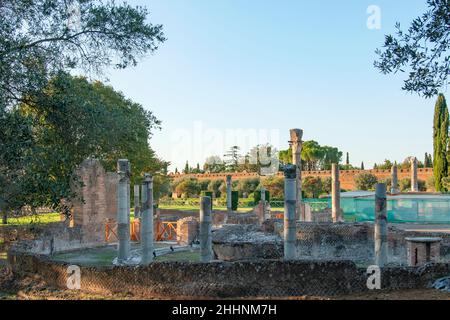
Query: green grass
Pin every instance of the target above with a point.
(36, 219)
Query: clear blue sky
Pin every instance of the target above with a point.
(231, 65)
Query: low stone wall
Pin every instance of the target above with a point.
(228, 279)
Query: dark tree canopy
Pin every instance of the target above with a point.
(422, 51)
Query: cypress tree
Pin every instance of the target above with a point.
(186, 167)
(347, 162)
(440, 142)
(362, 165)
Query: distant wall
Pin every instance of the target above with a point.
(228, 279)
(347, 177)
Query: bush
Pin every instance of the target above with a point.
(326, 184)
(365, 181)
(257, 196)
(247, 186)
(405, 185)
(188, 188)
(312, 187)
(234, 200)
(388, 182)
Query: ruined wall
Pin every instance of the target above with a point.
(270, 278)
(96, 199)
(346, 176)
(54, 238)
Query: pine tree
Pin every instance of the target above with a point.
(440, 142)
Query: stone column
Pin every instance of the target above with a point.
(147, 221)
(206, 254)
(229, 188)
(296, 145)
(137, 206)
(394, 184)
(414, 180)
(380, 236)
(290, 201)
(263, 194)
(123, 207)
(335, 194)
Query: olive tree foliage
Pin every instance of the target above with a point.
(422, 50)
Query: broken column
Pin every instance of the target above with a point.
(394, 184)
(414, 180)
(206, 254)
(147, 221)
(335, 193)
(229, 188)
(137, 207)
(380, 236)
(290, 202)
(296, 145)
(123, 210)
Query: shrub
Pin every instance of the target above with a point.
(214, 186)
(365, 181)
(209, 194)
(326, 184)
(430, 184)
(188, 188)
(204, 184)
(257, 196)
(422, 185)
